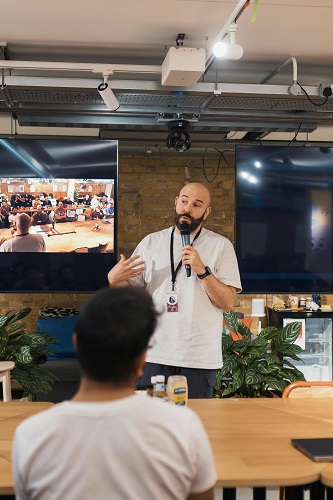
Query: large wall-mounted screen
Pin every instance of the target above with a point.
(284, 224)
(58, 214)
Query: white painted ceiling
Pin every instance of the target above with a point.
(140, 32)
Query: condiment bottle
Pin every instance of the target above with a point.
(150, 390)
(159, 391)
(308, 303)
(177, 390)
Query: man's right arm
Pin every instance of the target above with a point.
(126, 269)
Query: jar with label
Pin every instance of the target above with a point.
(159, 391)
(177, 390)
(302, 302)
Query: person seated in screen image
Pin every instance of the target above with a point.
(40, 217)
(96, 213)
(16, 201)
(36, 202)
(60, 214)
(4, 213)
(68, 202)
(108, 442)
(108, 210)
(12, 218)
(46, 202)
(23, 241)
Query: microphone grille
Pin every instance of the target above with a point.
(184, 227)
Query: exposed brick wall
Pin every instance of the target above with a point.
(147, 191)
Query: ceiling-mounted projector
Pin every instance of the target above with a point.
(182, 67)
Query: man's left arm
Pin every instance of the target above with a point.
(220, 294)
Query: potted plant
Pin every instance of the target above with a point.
(257, 365)
(25, 349)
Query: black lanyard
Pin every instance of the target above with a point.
(174, 271)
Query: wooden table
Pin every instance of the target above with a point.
(11, 414)
(250, 439)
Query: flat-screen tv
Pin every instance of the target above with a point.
(283, 218)
(67, 190)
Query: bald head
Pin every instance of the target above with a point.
(23, 223)
(197, 190)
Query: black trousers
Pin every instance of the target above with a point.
(200, 382)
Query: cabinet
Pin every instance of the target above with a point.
(315, 340)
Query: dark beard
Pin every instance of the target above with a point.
(195, 223)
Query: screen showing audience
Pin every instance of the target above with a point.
(58, 214)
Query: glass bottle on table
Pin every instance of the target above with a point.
(159, 391)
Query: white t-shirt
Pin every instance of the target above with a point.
(12, 219)
(26, 243)
(136, 447)
(191, 337)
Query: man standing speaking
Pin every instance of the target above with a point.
(188, 338)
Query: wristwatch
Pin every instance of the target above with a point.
(207, 273)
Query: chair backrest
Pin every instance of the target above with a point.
(312, 389)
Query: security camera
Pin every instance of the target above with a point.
(178, 138)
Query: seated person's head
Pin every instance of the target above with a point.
(113, 332)
(23, 222)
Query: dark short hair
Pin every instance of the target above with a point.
(113, 329)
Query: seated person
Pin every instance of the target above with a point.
(96, 213)
(16, 201)
(23, 241)
(47, 202)
(4, 214)
(12, 218)
(27, 200)
(68, 202)
(40, 217)
(60, 213)
(94, 201)
(87, 200)
(129, 446)
(36, 202)
(104, 201)
(108, 211)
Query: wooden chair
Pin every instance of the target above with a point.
(311, 389)
(304, 389)
(5, 368)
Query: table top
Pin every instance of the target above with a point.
(11, 414)
(250, 439)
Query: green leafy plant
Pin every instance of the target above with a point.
(24, 349)
(257, 366)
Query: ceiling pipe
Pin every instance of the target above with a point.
(104, 69)
(276, 70)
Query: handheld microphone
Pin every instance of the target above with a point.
(186, 240)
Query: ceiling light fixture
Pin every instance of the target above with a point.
(178, 138)
(107, 95)
(229, 50)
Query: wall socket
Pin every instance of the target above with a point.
(325, 89)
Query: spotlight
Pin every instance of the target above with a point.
(178, 138)
(229, 50)
(107, 95)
